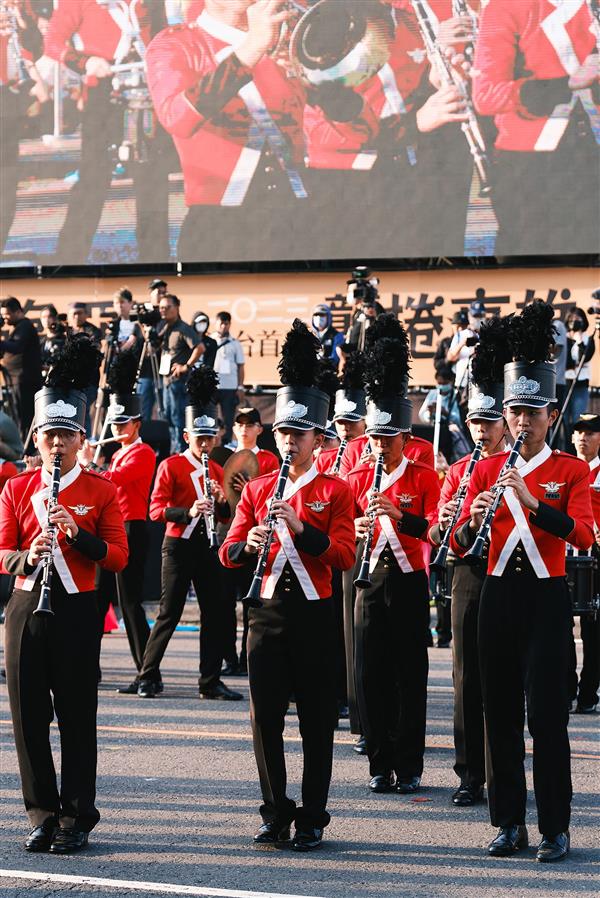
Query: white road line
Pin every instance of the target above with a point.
(163, 887)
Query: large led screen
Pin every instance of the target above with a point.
(211, 131)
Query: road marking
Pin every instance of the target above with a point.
(245, 737)
(165, 888)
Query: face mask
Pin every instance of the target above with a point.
(201, 326)
(576, 325)
(320, 322)
(445, 388)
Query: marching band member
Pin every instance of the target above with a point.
(392, 611)
(109, 33)
(52, 659)
(131, 469)
(525, 613)
(485, 420)
(236, 119)
(247, 428)
(313, 531)
(182, 500)
(586, 439)
(536, 71)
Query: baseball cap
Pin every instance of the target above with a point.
(251, 414)
(477, 309)
(155, 283)
(588, 422)
(460, 317)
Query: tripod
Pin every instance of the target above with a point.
(6, 394)
(106, 363)
(148, 352)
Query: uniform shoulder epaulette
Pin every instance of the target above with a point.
(93, 473)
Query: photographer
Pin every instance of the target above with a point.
(53, 336)
(125, 332)
(363, 295)
(331, 340)
(463, 345)
(21, 360)
(145, 386)
(181, 348)
(79, 324)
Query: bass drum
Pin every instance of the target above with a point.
(581, 582)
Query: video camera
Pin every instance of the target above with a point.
(362, 287)
(145, 313)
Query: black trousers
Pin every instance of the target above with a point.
(23, 395)
(102, 127)
(524, 634)
(469, 736)
(291, 644)
(341, 675)
(350, 645)
(585, 688)
(52, 668)
(392, 667)
(186, 561)
(236, 583)
(130, 586)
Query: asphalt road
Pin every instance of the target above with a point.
(178, 794)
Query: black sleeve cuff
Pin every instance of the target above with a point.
(215, 89)
(15, 563)
(540, 96)
(464, 536)
(223, 511)
(236, 553)
(436, 534)
(552, 520)
(89, 545)
(177, 515)
(312, 541)
(413, 525)
(75, 60)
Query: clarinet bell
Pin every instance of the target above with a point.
(43, 606)
(439, 563)
(475, 554)
(363, 581)
(253, 599)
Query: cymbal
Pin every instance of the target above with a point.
(245, 462)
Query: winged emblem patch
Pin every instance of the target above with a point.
(81, 509)
(405, 500)
(318, 506)
(552, 489)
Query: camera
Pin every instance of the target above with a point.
(362, 287)
(58, 329)
(145, 313)
(472, 341)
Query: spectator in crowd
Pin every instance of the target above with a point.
(21, 358)
(463, 345)
(453, 441)
(331, 340)
(560, 360)
(11, 445)
(201, 323)
(145, 387)
(77, 317)
(460, 320)
(126, 333)
(53, 336)
(580, 346)
(229, 365)
(181, 348)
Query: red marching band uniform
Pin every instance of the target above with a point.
(416, 448)
(179, 482)
(267, 461)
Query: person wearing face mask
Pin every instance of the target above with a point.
(330, 339)
(579, 346)
(201, 322)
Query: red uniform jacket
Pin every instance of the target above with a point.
(7, 470)
(416, 448)
(561, 483)
(595, 489)
(209, 102)
(414, 489)
(179, 482)
(95, 508)
(131, 470)
(100, 32)
(525, 52)
(267, 461)
(324, 505)
(325, 460)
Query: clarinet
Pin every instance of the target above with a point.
(212, 527)
(253, 599)
(473, 556)
(338, 459)
(44, 606)
(439, 563)
(363, 581)
(462, 9)
(470, 128)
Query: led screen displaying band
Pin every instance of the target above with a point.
(367, 129)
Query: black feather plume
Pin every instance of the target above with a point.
(531, 333)
(328, 382)
(299, 357)
(122, 374)
(76, 366)
(202, 386)
(386, 325)
(493, 351)
(387, 367)
(353, 375)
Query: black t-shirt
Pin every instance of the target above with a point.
(21, 354)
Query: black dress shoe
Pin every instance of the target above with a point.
(509, 840)
(272, 834)
(360, 746)
(40, 838)
(343, 711)
(231, 669)
(553, 848)
(585, 709)
(382, 782)
(131, 689)
(406, 785)
(221, 692)
(68, 841)
(148, 689)
(467, 795)
(306, 839)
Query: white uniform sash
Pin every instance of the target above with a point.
(388, 533)
(521, 531)
(39, 502)
(195, 476)
(288, 551)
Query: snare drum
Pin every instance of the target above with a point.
(581, 582)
